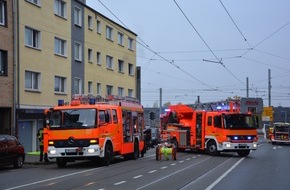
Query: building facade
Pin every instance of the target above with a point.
(6, 67)
(64, 48)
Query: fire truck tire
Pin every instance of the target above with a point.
(136, 150)
(243, 153)
(106, 161)
(61, 162)
(212, 148)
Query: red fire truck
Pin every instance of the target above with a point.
(88, 129)
(224, 126)
(279, 133)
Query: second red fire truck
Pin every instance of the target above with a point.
(225, 126)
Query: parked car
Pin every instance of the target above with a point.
(11, 151)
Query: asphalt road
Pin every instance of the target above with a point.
(266, 168)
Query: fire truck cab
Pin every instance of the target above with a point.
(89, 129)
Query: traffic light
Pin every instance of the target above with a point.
(152, 115)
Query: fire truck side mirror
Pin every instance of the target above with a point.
(257, 122)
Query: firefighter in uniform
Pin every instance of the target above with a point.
(40, 139)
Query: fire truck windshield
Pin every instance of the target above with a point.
(72, 118)
(239, 121)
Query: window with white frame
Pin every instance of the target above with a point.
(99, 89)
(32, 38)
(60, 8)
(2, 13)
(109, 62)
(120, 66)
(78, 51)
(120, 38)
(130, 69)
(77, 16)
(32, 80)
(60, 46)
(77, 86)
(120, 91)
(36, 2)
(130, 93)
(60, 84)
(3, 62)
(99, 61)
(90, 87)
(130, 43)
(90, 22)
(90, 55)
(109, 90)
(109, 33)
(99, 28)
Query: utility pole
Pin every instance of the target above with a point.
(247, 83)
(269, 86)
(160, 106)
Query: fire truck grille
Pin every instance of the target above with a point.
(70, 143)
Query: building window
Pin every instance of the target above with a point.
(78, 16)
(78, 51)
(59, 46)
(120, 39)
(36, 2)
(121, 66)
(109, 62)
(59, 84)
(32, 80)
(109, 90)
(130, 43)
(32, 38)
(90, 87)
(120, 91)
(99, 28)
(130, 93)
(2, 13)
(99, 90)
(77, 86)
(90, 22)
(99, 62)
(90, 55)
(109, 33)
(130, 69)
(3, 62)
(60, 8)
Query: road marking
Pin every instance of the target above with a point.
(164, 167)
(50, 179)
(152, 171)
(188, 159)
(224, 174)
(181, 161)
(138, 176)
(178, 171)
(173, 164)
(119, 183)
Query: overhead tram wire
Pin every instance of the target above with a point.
(235, 24)
(147, 47)
(266, 38)
(218, 60)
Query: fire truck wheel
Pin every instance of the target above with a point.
(243, 153)
(136, 150)
(61, 162)
(212, 148)
(108, 155)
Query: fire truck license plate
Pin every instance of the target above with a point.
(70, 150)
(242, 145)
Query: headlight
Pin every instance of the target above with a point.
(91, 150)
(52, 151)
(228, 145)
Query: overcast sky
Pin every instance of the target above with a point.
(208, 48)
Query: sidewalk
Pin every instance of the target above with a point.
(33, 158)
